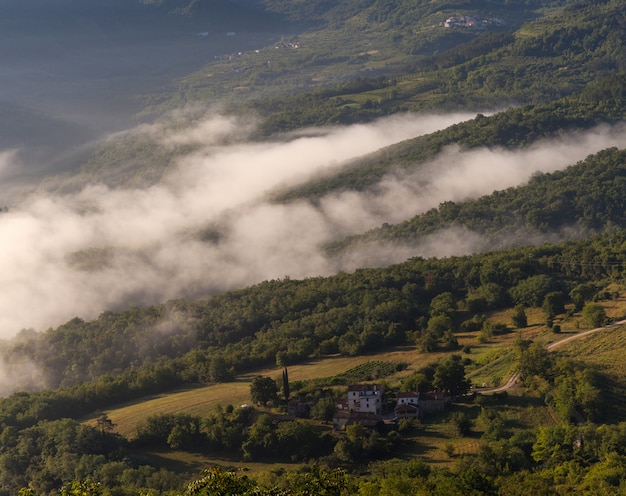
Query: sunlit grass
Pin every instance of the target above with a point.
(199, 401)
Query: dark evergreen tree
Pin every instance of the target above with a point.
(286, 391)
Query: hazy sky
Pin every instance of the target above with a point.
(103, 248)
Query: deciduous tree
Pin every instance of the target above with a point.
(263, 390)
(594, 314)
(450, 376)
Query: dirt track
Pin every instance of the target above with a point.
(551, 347)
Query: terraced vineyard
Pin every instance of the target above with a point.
(605, 351)
(368, 371)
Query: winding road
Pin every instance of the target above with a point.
(551, 347)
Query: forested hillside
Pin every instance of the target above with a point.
(601, 102)
(347, 313)
(582, 200)
(420, 303)
(544, 260)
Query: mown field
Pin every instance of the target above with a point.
(203, 400)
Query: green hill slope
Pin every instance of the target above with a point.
(354, 39)
(483, 314)
(516, 128)
(554, 56)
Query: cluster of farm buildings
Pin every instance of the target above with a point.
(367, 405)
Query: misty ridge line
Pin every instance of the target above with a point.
(105, 249)
(457, 176)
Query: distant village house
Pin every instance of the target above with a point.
(468, 21)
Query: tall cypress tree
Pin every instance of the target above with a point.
(286, 384)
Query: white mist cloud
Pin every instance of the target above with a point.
(192, 126)
(22, 372)
(103, 248)
(6, 160)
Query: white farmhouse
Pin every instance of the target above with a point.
(364, 398)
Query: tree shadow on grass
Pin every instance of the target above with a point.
(160, 460)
